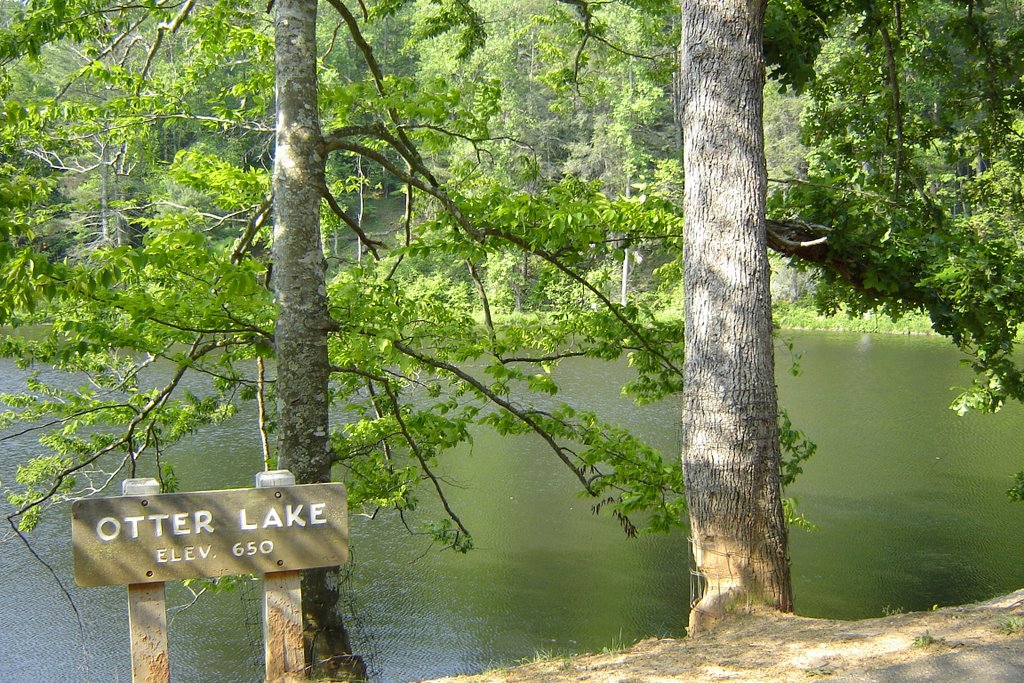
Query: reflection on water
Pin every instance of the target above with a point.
(907, 496)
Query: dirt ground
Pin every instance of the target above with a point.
(982, 643)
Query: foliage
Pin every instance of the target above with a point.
(927, 640)
(910, 214)
(1016, 492)
(147, 145)
(506, 156)
(796, 449)
(804, 315)
(1011, 625)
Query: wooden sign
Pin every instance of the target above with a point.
(161, 537)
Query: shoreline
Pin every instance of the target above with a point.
(848, 330)
(982, 641)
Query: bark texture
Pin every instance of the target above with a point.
(730, 432)
(303, 322)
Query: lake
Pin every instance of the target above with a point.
(908, 499)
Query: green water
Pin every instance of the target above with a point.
(907, 496)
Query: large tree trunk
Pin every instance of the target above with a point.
(730, 432)
(303, 322)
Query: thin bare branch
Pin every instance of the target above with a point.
(614, 309)
(352, 224)
(396, 411)
(484, 302)
(258, 220)
(407, 228)
(525, 416)
(164, 28)
(66, 419)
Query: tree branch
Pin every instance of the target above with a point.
(405, 146)
(163, 28)
(407, 228)
(524, 416)
(616, 311)
(484, 301)
(396, 411)
(199, 349)
(894, 86)
(350, 222)
(258, 220)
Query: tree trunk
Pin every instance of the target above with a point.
(730, 432)
(303, 322)
(624, 282)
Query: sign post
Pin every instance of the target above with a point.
(282, 605)
(144, 538)
(147, 612)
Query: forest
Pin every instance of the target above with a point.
(387, 222)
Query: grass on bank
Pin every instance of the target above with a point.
(795, 316)
(788, 315)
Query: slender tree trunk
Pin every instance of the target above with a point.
(299, 265)
(303, 323)
(730, 432)
(519, 283)
(359, 214)
(624, 282)
(105, 231)
(120, 226)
